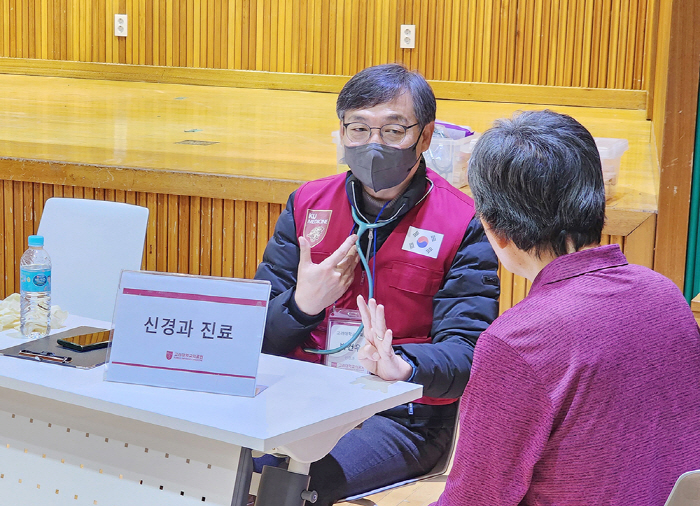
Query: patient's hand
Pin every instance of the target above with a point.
(377, 355)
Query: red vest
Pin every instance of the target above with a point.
(405, 281)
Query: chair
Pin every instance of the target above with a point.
(440, 468)
(90, 242)
(686, 491)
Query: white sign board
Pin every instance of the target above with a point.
(188, 332)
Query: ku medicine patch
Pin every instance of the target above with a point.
(422, 242)
(316, 225)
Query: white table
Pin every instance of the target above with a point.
(68, 437)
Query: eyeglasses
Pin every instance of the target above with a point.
(393, 135)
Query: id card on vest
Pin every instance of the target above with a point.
(342, 325)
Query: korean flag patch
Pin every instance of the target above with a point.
(422, 242)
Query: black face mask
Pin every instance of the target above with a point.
(379, 166)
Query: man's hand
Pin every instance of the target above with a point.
(320, 285)
(377, 355)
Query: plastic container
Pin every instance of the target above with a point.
(339, 152)
(611, 151)
(35, 290)
(460, 175)
(446, 155)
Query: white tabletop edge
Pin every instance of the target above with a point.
(331, 397)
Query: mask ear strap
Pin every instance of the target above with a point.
(415, 144)
(418, 139)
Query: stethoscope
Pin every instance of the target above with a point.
(362, 227)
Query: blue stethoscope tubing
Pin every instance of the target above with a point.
(362, 227)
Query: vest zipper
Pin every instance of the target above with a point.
(370, 236)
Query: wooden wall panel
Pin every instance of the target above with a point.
(674, 119)
(193, 235)
(586, 43)
(218, 237)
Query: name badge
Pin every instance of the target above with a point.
(342, 326)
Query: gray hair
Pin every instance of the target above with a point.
(537, 180)
(383, 83)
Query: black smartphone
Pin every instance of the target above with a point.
(86, 342)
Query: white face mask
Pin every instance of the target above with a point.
(379, 166)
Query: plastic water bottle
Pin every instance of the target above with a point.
(35, 290)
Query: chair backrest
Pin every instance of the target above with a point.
(686, 491)
(90, 242)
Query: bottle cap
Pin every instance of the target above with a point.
(36, 241)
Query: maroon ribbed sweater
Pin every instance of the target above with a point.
(585, 393)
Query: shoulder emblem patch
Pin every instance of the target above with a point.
(316, 225)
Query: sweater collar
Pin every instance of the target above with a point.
(579, 263)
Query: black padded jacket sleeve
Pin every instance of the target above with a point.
(287, 326)
(465, 305)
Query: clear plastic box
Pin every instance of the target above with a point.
(449, 157)
(611, 151)
(339, 152)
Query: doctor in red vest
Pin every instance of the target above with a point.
(426, 261)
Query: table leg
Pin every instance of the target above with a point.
(298, 467)
(243, 477)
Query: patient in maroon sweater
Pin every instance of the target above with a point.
(588, 391)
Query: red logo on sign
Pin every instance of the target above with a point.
(168, 355)
(316, 225)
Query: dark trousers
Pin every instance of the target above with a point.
(392, 446)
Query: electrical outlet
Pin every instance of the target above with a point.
(408, 37)
(121, 27)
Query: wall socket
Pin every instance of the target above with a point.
(408, 37)
(121, 27)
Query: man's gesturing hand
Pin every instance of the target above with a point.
(377, 355)
(319, 285)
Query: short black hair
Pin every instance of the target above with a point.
(383, 83)
(537, 180)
